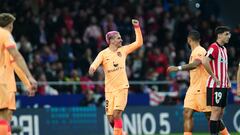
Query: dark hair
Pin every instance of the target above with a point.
(6, 18)
(194, 35)
(221, 29)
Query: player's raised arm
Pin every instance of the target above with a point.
(98, 60)
(139, 39)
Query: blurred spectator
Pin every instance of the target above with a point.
(108, 24)
(25, 47)
(93, 32)
(66, 55)
(74, 77)
(88, 99)
(87, 87)
(44, 88)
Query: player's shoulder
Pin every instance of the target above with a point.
(203, 49)
(104, 51)
(4, 32)
(213, 45)
(198, 50)
(123, 48)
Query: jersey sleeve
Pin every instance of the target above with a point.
(138, 42)
(98, 60)
(212, 52)
(199, 55)
(9, 41)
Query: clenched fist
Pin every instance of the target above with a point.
(135, 22)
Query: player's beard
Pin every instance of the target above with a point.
(226, 41)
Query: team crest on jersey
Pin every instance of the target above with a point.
(115, 64)
(119, 54)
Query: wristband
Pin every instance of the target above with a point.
(179, 68)
(136, 26)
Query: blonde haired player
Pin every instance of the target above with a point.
(10, 60)
(113, 60)
(196, 97)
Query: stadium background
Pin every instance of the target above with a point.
(60, 38)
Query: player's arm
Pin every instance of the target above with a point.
(93, 67)
(207, 66)
(139, 39)
(238, 80)
(212, 54)
(185, 67)
(21, 76)
(229, 85)
(18, 58)
(10, 46)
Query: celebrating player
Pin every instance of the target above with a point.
(113, 61)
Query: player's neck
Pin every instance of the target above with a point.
(113, 48)
(193, 46)
(6, 28)
(220, 42)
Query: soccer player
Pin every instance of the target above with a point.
(238, 80)
(216, 64)
(195, 99)
(8, 56)
(113, 61)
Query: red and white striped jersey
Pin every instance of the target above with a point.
(219, 65)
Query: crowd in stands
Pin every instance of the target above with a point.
(59, 39)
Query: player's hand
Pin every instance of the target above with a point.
(172, 69)
(91, 71)
(33, 89)
(135, 22)
(31, 93)
(216, 80)
(229, 85)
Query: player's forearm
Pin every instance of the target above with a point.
(98, 60)
(22, 65)
(192, 65)
(189, 67)
(208, 67)
(93, 67)
(95, 64)
(21, 76)
(139, 38)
